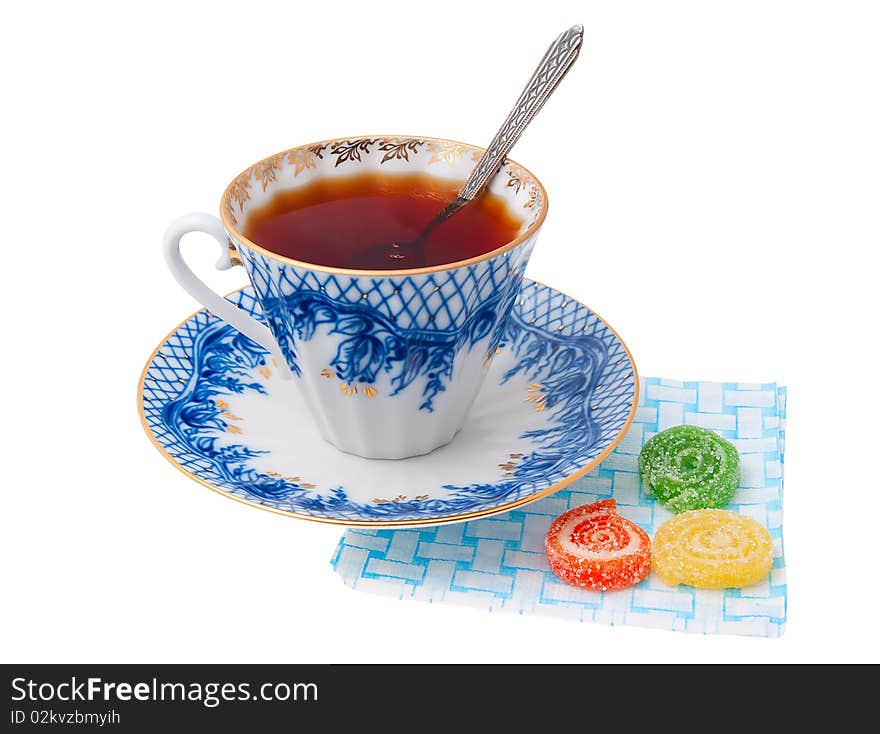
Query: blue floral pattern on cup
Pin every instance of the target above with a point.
(410, 328)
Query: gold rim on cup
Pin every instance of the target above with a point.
(231, 226)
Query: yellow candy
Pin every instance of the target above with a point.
(712, 549)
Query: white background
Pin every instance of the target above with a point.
(714, 176)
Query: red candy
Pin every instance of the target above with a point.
(594, 547)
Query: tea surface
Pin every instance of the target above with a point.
(332, 221)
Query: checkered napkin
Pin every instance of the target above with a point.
(498, 563)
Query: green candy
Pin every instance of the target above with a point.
(690, 468)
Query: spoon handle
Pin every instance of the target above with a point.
(556, 62)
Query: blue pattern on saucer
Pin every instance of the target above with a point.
(582, 384)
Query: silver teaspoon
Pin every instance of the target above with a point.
(560, 57)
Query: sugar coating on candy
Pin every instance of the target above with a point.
(594, 547)
(690, 468)
(712, 549)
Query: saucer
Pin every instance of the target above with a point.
(559, 396)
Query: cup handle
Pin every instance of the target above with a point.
(215, 303)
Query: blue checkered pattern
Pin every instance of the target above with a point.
(437, 301)
(498, 564)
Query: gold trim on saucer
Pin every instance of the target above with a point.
(350, 148)
(395, 523)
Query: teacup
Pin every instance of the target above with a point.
(389, 361)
